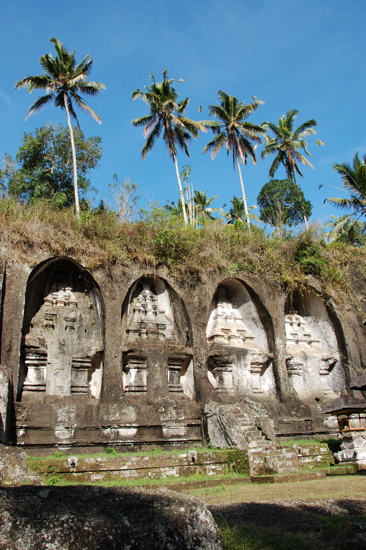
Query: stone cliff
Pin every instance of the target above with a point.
(129, 356)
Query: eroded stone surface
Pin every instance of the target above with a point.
(65, 518)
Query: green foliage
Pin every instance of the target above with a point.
(238, 462)
(286, 143)
(309, 254)
(282, 202)
(110, 451)
(43, 165)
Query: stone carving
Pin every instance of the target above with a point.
(223, 374)
(147, 319)
(240, 372)
(308, 363)
(135, 379)
(258, 364)
(63, 347)
(228, 327)
(175, 365)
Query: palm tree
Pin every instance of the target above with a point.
(236, 214)
(234, 132)
(354, 181)
(166, 115)
(202, 203)
(63, 82)
(286, 144)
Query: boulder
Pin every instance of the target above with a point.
(13, 467)
(80, 517)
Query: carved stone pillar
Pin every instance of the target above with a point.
(258, 363)
(136, 374)
(326, 366)
(223, 373)
(36, 362)
(295, 370)
(174, 370)
(79, 374)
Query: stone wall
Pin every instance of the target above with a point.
(127, 356)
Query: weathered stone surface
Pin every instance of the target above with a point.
(128, 355)
(5, 396)
(234, 426)
(65, 518)
(13, 467)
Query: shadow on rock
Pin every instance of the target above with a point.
(80, 517)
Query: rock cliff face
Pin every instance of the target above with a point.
(129, 356)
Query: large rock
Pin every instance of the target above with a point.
(79, 518)
(13, 467)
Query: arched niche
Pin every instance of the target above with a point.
(313, 358)
(157, 338)
(240, 359)
(62, 348)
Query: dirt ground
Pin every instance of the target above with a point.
(325, 514)
(337, 487)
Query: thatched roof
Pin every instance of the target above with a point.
(345, 402)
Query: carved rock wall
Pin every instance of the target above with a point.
(127, 357)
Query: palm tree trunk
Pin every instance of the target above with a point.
(180, 190)
(305, 218)
(243, 193)
(76, 191)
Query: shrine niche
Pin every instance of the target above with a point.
(239, 361)
(63, 344)
(156, 341)
(313, 360)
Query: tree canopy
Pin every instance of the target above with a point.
(235, 133)
(43, 166)
(282, 202)
(64, 80)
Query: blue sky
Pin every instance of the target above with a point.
(291, 54)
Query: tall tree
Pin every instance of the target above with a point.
(236, 214)
(166, 115)
(233, 131)
(202, 203)
(354, 182)
(282, 202)
(43, 165)
(286, 143)
(64, 80)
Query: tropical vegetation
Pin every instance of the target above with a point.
(235, 133)
(43, 166)
(282, 203)
(64, 80)
(167, 116)
(353, 177)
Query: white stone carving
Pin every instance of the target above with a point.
(135, 374)
(147, 319)
(228, 327)
(309, 362)
(64, 337)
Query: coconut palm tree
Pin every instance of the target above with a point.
(236, 214)
(233, 131)
(202, 203)
(286, 143)
(354, 181)
(64, 80)
(166, 115)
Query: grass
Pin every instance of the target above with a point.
(305, 441)
(111, 452)
(54, 479)
(31, 232)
